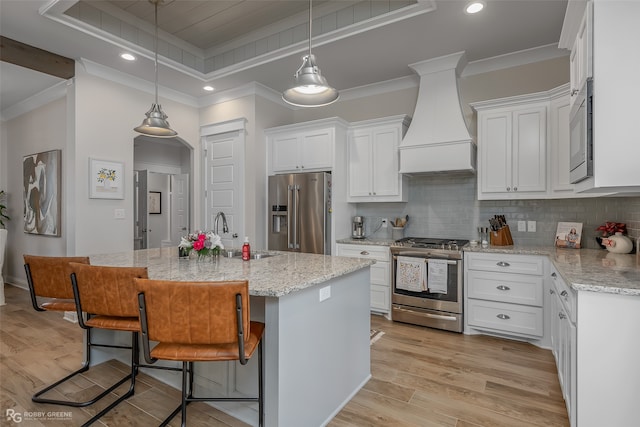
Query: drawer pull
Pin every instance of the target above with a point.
(551, 291)
(503, 288)
(564, 294)
(502, 264)
(554, 275)
(364, 253)
(503, 316)
(562, 316)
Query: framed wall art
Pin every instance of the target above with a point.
(41, 189)
(154, 204)
(106, 179)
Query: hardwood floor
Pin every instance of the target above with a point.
(420, 377)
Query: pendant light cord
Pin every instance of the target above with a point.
(310, 32)
(155, 47)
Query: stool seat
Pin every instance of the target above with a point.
(59, 305)
(129, 324)
(207, 352)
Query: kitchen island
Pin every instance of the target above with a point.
(316, 343)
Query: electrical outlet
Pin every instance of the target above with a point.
(385, 222)
(522, 225)
(118, 213)
(325, 293)
(531, 226)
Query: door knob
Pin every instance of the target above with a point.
(234, 235)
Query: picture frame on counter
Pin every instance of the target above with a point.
(569, 235)
(106, 179)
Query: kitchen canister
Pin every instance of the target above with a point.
(618, 244)
(397, 233)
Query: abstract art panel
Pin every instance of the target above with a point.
(41, 187)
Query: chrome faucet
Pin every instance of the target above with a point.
(225, 227)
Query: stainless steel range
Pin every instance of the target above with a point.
(432, 296)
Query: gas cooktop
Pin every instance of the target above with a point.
(432, 243)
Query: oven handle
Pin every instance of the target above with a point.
(432, 316)
(449, 261)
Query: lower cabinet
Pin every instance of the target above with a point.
(504, 294)
(380, 272)
(564, 335)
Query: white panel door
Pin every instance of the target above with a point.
(360, 162)
(316, 150)
(495, 174)
(530, 150)
(224, 163)
(385, 162)
(179, 207)
(284, 153)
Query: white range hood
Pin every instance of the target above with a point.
(438, 139)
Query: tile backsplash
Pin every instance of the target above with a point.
(446, 206)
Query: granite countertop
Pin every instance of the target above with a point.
(274, 276)
(595, 270)
(367, 241)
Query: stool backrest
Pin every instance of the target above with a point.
(49, 276)
(108, 291)
(195, 312)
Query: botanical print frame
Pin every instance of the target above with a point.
(106, 179)
(41, 193)
(154, 202)
(569, 235)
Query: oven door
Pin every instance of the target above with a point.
(450, 302)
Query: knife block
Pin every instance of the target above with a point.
(501, 237)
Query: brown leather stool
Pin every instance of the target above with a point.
(109, 297)
(199, 322)
(48, 277)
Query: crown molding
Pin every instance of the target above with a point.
(249, 89)
(128, 80)
(53, 93)
(514, 59)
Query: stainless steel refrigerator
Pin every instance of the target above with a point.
(300, 212)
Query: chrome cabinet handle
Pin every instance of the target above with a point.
(564, 293)
(574, 92)
(508, 188)
(503, 264)
(503, 316)
(562, 316)
(515, 188)
(503, 288)
(554, 275)
(364, 253)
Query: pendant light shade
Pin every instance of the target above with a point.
(311, 89)
(156, 124)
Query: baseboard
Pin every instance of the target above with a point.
(347, 400)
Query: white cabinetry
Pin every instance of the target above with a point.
(564, 339)
(559, 149)
(611, 27)
(304, 147)
(374, 160)
(504, 294)
(380, 272)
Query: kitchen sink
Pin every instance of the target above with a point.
(238, 254)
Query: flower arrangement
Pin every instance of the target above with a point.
(204, 243)
(611, 228)
(105, 174)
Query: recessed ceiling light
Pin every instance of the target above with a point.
(128, 57)
(208, 88)
(474, 7)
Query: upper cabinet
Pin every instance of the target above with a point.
(603, 38)
(305, 147)
(373, 160)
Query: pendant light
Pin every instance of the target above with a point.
(311, 89)
(156, 124)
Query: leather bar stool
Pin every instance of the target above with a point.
(48, 277)
(199, 322)
(109, 297)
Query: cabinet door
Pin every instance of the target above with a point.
(496, 133)
(360, 164)
(316, 150)
(386, 180)
(284, 153)
(529, 150)
(559, 147)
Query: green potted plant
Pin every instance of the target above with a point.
(3, 241)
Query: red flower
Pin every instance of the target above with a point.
(198, 244)
(611, 228)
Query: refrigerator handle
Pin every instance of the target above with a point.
(290, 215)
(296, 239)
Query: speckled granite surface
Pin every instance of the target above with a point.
(594, 270)
(374, 242)
(275, 276)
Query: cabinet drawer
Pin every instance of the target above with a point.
(380, 274)
(566, 294)
(507, 318)
(379, 253)
(505, 287)
(506, 263)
